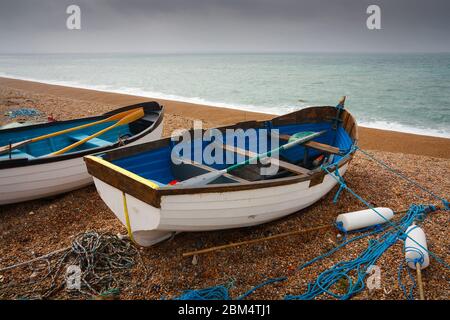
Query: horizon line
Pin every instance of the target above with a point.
(225, 52)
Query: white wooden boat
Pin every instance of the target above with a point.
(134, 181)
(27, 174)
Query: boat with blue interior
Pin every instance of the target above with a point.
(158, 188)
(46, 159)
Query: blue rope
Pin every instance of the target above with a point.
(398, 173)
(341, 188)
(408, 295)
(212, 293)
(269, 281)
(222, 292)
(391, 233)
(430, 208)
(419, 260)
(342, 245)
(376, 248)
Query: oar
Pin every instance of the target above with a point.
(211, 176)
(127, 119)
(8, 148)
(241, 243)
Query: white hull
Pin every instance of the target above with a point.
(211, 211)
(44, 180)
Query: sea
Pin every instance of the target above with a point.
(400, 92)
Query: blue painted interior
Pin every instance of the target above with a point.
(47, 146)
(155, 164)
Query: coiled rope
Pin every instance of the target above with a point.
(103, 259)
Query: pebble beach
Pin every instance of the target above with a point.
(34, 228)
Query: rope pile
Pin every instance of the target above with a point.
(104, 260)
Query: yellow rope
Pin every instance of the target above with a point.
(127, 217)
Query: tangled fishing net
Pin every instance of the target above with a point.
(94, 265)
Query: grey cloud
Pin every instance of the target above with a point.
(223, 25)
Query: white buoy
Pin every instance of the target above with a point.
(413, 252)
(416, 253)
(364, 218)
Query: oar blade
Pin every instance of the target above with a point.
(129, 118)
(300, 138)
(135, 115)
(300, 135)
(122, 114)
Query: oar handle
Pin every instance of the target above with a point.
(114, 117)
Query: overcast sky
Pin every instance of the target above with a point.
(159, 26)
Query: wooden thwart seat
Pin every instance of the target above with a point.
(314, 145)
(97, 142)
(209, 169)
(282, 164)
